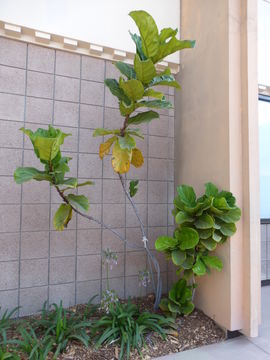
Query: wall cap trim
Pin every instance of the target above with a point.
(34, 36)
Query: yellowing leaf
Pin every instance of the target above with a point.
(137, 158)
(62, 217)
(104, 148)
(120, 159)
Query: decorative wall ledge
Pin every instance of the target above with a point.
(38, 37)
(264, 90)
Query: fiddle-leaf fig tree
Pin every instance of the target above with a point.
(134, 89)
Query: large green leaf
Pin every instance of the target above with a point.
(143, 117)
(158, 104)
(62, 217)
(70, 183)
(178, 257)
(228, 229)
(166, 80)
(148, 31)
(23, 174)
(204, 221)
(165, 243)
(171, 46)
(154, 94)
(135, 132)
(145, 69)
(79, 201)
(188, 238)
(212, 262)
(205, 233)
(228, 196)
(133, 89)
(230, 216)
(217, 237)
(116, 90)
(126, 69)
(187, 308)
(187, 195)
(138, 42)
(221, 204)
(60, 168)
(126, 109)
(126, 142)
(211, 189)
(199, 267)
(103, 132)
(133, 187)
(209, 244)
(46, 142)
(188, 263)
(206, 204)
(177, 291)
(182, 217)
(166, 33)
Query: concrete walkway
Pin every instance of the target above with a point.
(241, 348)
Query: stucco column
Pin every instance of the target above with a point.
(216, 135)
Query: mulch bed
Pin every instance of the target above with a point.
(194, 330)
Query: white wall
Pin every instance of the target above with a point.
(103, 22)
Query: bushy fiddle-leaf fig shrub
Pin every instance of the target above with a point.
(203, 224)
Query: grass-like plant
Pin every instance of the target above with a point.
(6, 321)
(60, 326)
(7, 353)
(35, 347)
(127, 326)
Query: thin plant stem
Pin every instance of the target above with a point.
(151, 257)
(107, 271)
(91, 218)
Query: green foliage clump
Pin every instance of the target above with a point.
(203, 224)
(30, 344)
(47, 147)
(61, 326)
(126, 325)
(6, 321)
(179, 300)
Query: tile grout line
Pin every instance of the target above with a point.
(70, 282)
(102, 185)
(258, 347)
(50, 203)
(78, 158)
(73, 102)
(147, 197)
(21, 197)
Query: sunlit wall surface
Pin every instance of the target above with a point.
(264, 118)
(264, 42)
(264, 107)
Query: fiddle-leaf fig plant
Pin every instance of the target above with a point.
(179, 300)
(135, 89)
(203, 224)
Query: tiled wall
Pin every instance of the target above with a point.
(41, 86)
(265, 251)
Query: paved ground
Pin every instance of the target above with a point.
(240, 348)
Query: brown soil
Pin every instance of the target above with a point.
(193, 331)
